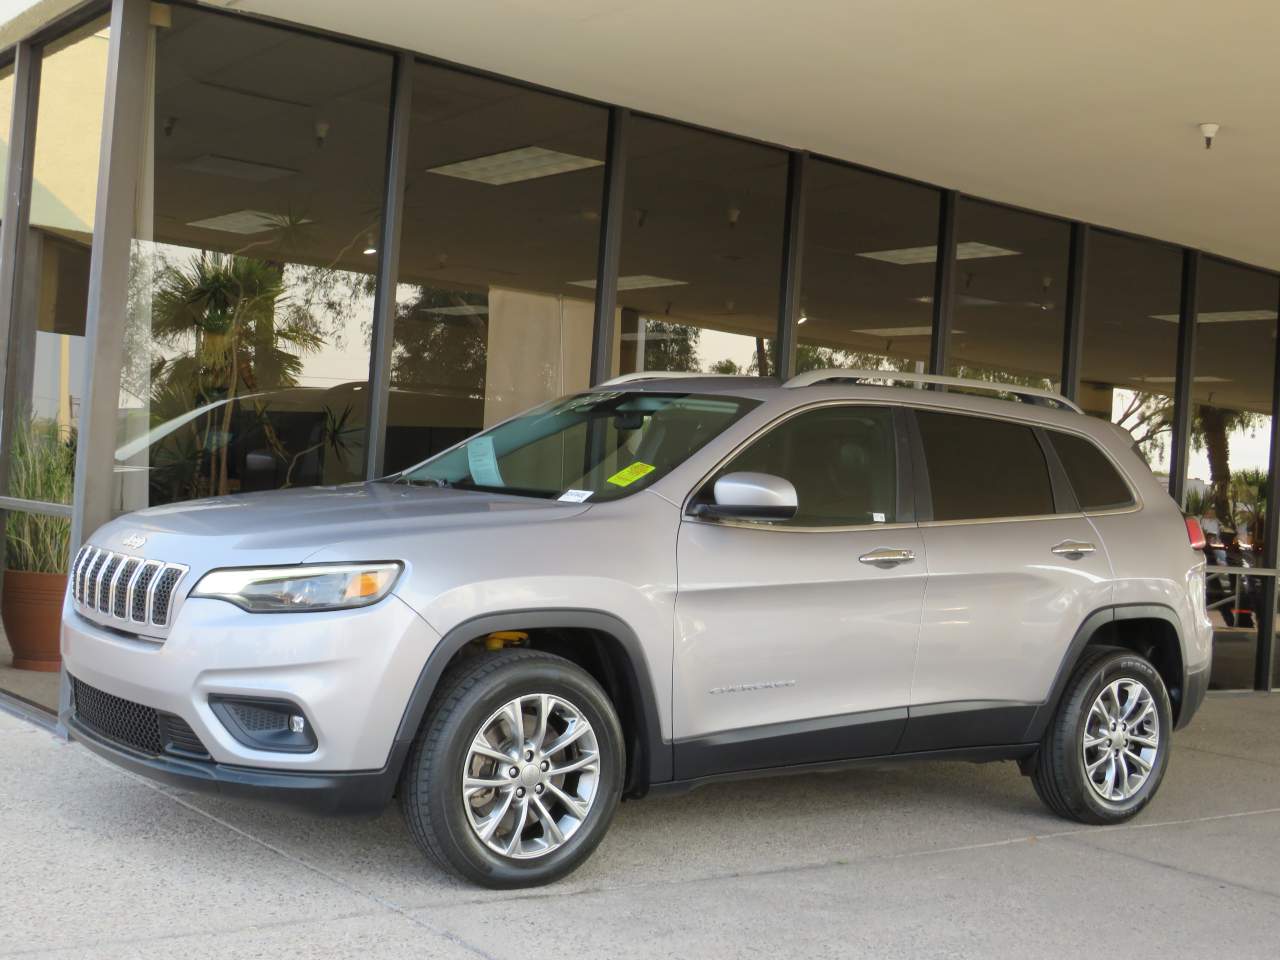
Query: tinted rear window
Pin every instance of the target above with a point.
(1098, 485)
(984, 469)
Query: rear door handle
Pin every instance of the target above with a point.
(1073, 549)
(887, 557)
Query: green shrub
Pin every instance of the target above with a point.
(41, 467)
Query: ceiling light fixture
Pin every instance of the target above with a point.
(1221, 316)
(369, 248)
(640, 281)
(1209, 131)
(244, 222)
(251, 170)
(512, 166)
(969, 250)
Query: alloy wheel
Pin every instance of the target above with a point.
(1121, 740)
(531, 776)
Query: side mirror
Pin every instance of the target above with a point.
(751, 496)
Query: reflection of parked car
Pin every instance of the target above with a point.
(660, 582)
(1235, 597)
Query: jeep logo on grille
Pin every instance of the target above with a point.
(134, 540)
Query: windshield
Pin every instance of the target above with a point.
(594, 446)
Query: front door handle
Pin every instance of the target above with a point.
(887, 557)
(1073, 549)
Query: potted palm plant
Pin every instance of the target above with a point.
(37, 546)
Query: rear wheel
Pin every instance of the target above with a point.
(516, 772)
(1105, 752)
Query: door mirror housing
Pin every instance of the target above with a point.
(751, 496)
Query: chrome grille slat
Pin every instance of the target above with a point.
(118, 587)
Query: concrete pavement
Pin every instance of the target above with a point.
(942, 860)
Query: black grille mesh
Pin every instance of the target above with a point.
(143, 728)
(164, 590)
(139, 611)
(91, 581)
(116, 718)
(122, 585)
(258, 720)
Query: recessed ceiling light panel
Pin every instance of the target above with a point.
(512, 166)
(244, 222)
(250, 170)
(969, 250)
(1221, 316)
(640, 281)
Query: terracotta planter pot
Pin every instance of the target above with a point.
(32, 611)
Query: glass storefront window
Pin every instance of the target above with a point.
(870, 252)
(46, 340)
(699, 272)
(251, 290)
(1010, 291)
(1129, 349)
(501, 230)
(6, 121)
(1229, 463)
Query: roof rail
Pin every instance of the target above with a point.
(658, 375)
(1044, 398)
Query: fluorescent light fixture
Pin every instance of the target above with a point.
(1221, 316)
(461, 310)
(243, 222)
(250, 170)
(639, 281)
(969, 250)
(964, 300)
(512, 166)
(369, 251)
(890, 333)
(1196, 379)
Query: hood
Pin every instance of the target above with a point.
(287, 526)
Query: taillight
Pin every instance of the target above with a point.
(1195, 533)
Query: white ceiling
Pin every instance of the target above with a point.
(1087, 109)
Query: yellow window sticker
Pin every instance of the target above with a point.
(629, 475)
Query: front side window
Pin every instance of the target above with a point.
(841, 460)
(982, 469)
(1097, 484)
(594, 446)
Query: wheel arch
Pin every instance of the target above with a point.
(1149, 629)
(601, 643)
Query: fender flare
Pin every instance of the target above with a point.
(653, 765)
(1096, 621)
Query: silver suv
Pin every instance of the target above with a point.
(655, 584)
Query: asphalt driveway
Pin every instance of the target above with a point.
(923, 861)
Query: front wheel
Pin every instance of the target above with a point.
(1105, 752)
(517, 770)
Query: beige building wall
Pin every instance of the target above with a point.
(539, 349)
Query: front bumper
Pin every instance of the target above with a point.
(351, 674)
(363, 792)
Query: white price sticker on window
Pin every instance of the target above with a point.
(576, 496)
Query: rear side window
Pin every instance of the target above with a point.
(1097, 484)
(983, 469)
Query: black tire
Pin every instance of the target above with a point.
(431, 794)
(1059, 774)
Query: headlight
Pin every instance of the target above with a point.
(319, 586)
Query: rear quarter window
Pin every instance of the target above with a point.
(1095, 480)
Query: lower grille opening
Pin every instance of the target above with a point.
(133, 725)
